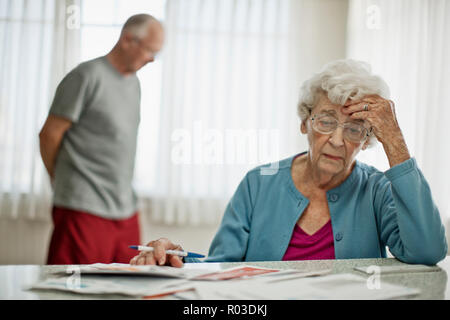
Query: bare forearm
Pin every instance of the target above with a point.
(50, 139)
(49, 151)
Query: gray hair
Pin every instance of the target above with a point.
(137, 25)
(341, 80)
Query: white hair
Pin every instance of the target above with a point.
(137, 25)
(341, 80)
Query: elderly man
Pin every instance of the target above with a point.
(88, 146)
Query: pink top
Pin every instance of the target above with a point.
(317, 246)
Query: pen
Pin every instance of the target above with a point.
(172, 252)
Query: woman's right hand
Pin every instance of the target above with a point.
(158, 256)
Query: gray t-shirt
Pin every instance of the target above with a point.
(94, 167)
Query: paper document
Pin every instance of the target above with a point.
(147, 270)
(239, 283)
(405, 268)
(234, 273)
(136, 287)
(155, 281)
(327, 287)
(224, 289)
(145, 281)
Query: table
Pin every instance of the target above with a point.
(433, 285)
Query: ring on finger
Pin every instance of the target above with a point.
(366, 107)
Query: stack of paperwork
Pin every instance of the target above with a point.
(240, 283)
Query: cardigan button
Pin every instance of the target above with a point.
(333, 197)
(339, 236)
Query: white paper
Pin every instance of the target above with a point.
(404, 268)
(276, 285)
(285, 275)
(138, 287)
(121, 279)
(134, 270)
(335, 287)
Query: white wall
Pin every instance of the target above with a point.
(318, 35)
(23, 241)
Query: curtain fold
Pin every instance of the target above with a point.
(36, 50)
(406, 42)
(224, 73)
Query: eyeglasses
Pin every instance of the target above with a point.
(146, 49)
(353, 132)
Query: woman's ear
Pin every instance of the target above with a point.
(365, 145)
(303, 127)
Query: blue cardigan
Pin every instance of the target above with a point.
(369, 211)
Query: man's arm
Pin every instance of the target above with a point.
(50, 139)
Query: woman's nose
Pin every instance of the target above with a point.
(337, 137)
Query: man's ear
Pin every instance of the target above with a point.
(125, 40)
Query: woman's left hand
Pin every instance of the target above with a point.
(379, 113)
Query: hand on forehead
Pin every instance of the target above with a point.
(325, 106)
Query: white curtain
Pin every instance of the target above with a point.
(37, 47)
(224, 105)
(407, 43)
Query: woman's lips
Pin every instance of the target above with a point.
(329, 156)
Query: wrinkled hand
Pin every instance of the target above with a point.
(159, 256)
(380, 115)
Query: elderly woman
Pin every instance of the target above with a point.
(324, 204)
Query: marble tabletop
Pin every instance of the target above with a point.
(15, 279)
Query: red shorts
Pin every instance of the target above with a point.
(83, 238)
